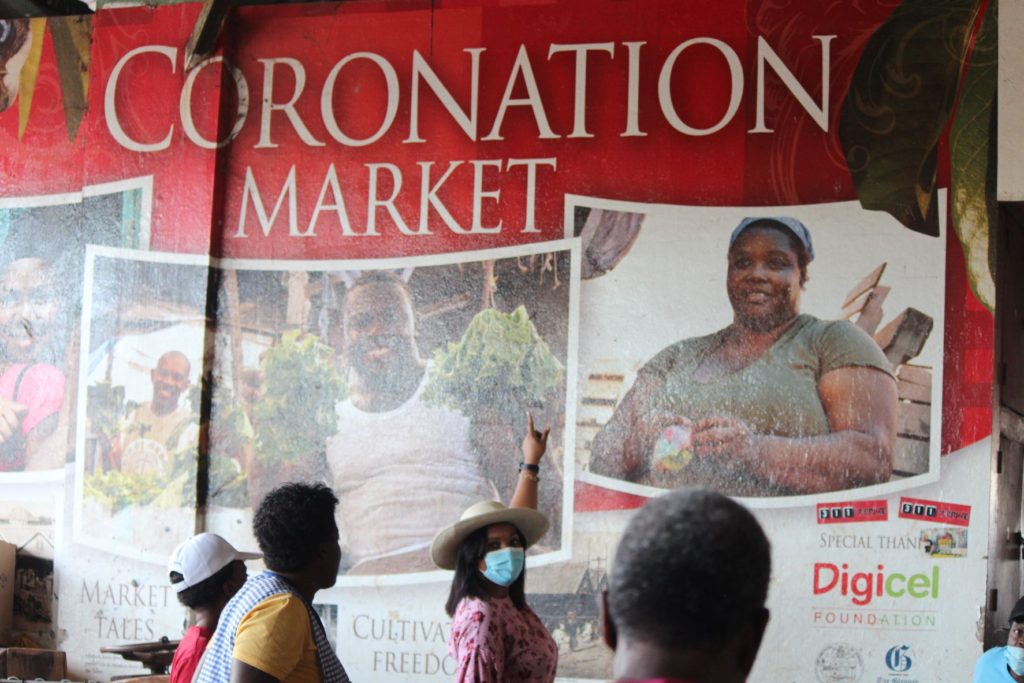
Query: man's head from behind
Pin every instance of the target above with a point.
(688, 589)
(295, 528)
(206, 570)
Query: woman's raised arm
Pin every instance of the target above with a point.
(534, 445)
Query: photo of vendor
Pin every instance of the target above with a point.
(31, 384)
(777, 403)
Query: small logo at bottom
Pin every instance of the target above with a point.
(897, 660)
(839, 664)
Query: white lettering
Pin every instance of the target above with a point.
(633, 92)
(331, 183)
(522, 66)
(388, 204)
(269, 106)
(422, 70)
(765, 55)
(428, 197)
(185, 105)
(287, 192)
(665, 87)
(479, 195)
(579, 123)
(327, 100)
(531, 165)
(110, 100)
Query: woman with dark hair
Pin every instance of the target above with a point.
(777, 403)
(496, 637)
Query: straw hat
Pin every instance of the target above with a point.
(445, 548)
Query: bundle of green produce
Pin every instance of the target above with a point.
(501, 365)
(296, 415)
(116, 490)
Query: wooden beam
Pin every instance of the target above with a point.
(904, 337)
(916, 374)
(1011, 425)
(910, 456)
(914, 420)
(203, 41)
(871, 314)
(865, 285)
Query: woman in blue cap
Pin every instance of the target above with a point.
(777, 403)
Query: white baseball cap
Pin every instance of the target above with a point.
(202, 556)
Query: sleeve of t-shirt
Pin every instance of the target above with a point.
(41, 390)
(273, 635)
(664, 361)
(842, 344)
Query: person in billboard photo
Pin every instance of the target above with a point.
(15, 43)
(31, 384)
(777, 403)
(495, 635)
(422, 457)
(159, 428)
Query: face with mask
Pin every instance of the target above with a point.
(504, 555)
(1014, 651)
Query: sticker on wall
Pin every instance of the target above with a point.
(935, 511)
(854, 511)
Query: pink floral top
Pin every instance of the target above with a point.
(493, 642)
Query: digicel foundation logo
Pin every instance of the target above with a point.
(864, 586)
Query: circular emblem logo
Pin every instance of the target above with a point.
(145, 456)
(839, 664)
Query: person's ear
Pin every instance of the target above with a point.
(608, 632)
(749, 640)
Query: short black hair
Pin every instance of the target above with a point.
(291, 522)
(208, 590)
(692, 566)
(469, 581)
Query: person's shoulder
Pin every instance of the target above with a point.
(990, 660)
(470, 604)
(248, 601)
(813, 326)
(44, 372)
(475, 620)
(992, 653)
(682, 351)
(279, 613)
(839, 343)
(282, 602)
(141, 411)
(833, 333)
(475, 612)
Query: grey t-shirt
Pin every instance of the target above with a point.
(776, 394)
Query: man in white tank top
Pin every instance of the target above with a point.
(401, 469)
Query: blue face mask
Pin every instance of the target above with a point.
(504, 566)
(1015, 659)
